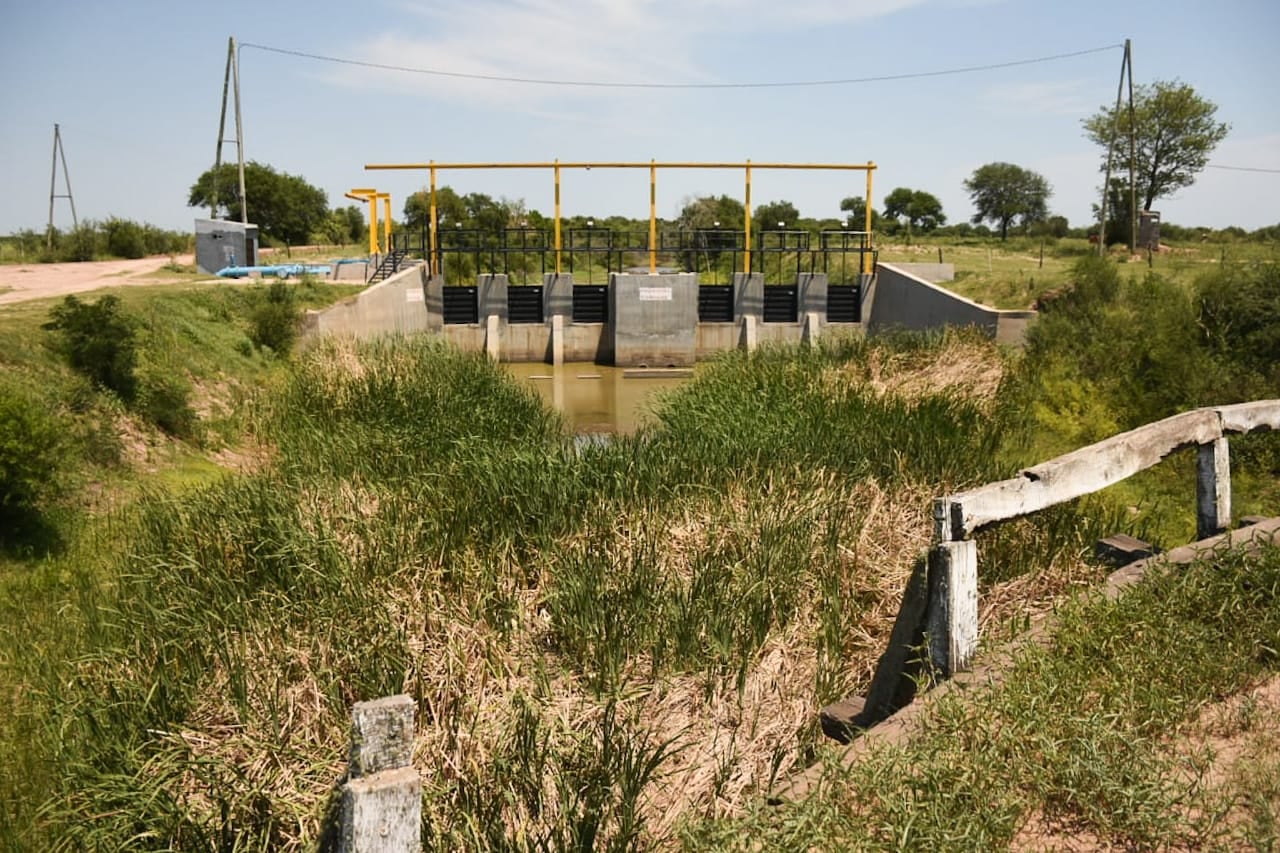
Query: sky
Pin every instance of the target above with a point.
(136, 87)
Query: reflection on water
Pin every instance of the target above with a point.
(594, 398)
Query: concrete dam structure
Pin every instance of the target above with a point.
(657, 320)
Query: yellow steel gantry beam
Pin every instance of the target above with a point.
(653, 166)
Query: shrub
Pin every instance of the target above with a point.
(164, 398)
(275, 319)
(31, 450)
(99, 341)
(124, 238)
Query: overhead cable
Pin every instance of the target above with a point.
(597, 84)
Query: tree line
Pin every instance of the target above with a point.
(1174, 129)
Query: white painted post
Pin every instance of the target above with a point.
(491, 339)
(749, 332)
(557, 340)
(811, 326)
(953, 605)
(382, 800)
(1213, 488)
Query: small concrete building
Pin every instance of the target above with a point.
(221, 243)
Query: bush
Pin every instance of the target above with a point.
(276, 319)
(99, 341)
(124, 238)
(31, 450)
(164, 398)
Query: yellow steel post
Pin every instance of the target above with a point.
(432, 270)
(866, 256)
(746, 264)
(374, 248)
(557, 220)
(386, 219)
(653, 217)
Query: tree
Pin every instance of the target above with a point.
(922, 210)
(1174, 130)
(705, 211)
(449, 208)
(1003, 192)
(774, 215)
(856, 208)
(284, 207)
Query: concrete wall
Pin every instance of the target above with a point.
(654, 319)
(388, 307)
(929, 272)
(654, 331)
(903, 300)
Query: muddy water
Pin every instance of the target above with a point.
(594, 398)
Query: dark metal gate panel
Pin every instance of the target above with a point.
(844, 303)
(715, 303)
(591, 303)
(460, 304)
(524, 304)
(780, 303)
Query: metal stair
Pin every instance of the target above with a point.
(390, 265)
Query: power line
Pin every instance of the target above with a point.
(1244, 169)
(495, 78)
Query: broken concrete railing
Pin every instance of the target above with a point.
(940, 602)
(952, 623)
(382, 797)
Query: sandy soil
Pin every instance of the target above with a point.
(20, 282)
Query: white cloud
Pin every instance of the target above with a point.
(1064, 97)
(603, 41)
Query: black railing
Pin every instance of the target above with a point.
(715, 254)
(586, 247)
(782, 256)
(844, 255)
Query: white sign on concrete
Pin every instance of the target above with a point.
(655, 294)
(413, 295)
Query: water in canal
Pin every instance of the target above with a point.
(596, 398)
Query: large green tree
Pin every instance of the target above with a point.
(704, 212)
(855, 208)
(284, 207)
(1003, 192)
(774, 215)
(921, 210)
(1175, 131)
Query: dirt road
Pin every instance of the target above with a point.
(20, 282)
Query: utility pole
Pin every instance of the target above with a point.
(1133, 145)
(1126, 67)
(59, 153)
(230, 82)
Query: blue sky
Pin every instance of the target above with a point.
(136, 88)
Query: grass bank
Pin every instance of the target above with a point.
(611, 645)
(1111, 738)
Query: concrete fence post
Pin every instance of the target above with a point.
(1213, 488)
(812, 327)
(749, 332)
(557, 340)
(953, 605)
(382, 798)
(493, 337)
